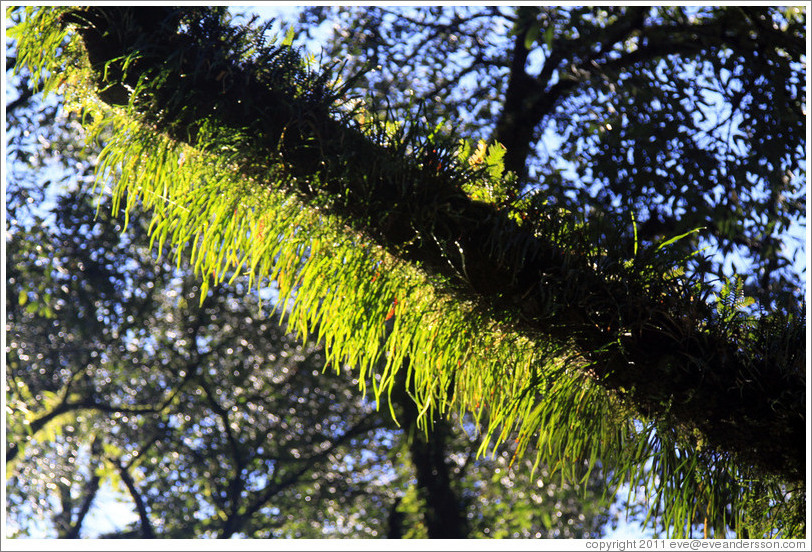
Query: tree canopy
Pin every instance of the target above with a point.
(655, 110)
(449, 269)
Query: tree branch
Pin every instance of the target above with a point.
(25, 94)
(147, 532)
(91, 490)
(666, 360)
(514, 129)
(366, 423)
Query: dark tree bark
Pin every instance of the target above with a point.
(147, 532)
(395, 521)
(443, 515)
(667, 363)
(529, 99)
(90, 491)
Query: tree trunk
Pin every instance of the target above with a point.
(428, 452)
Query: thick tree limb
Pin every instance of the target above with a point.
(147, 532)
(442, 516)
(531, 98)
(90, 492)
(651, 349)
(515, 128)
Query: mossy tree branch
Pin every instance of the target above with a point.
(650, 339)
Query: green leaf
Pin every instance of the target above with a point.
(677, 238)
(531, 36)
(289, 36)
(549, 33)
(547, 520)
(495, 160)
